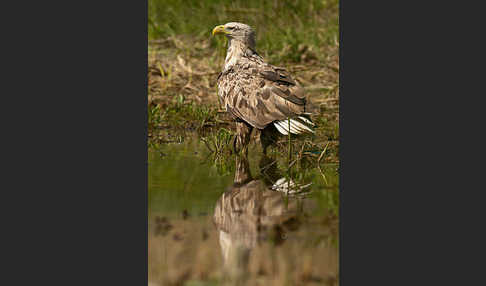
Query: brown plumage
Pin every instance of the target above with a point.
(257, 94)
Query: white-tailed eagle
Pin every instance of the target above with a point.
(257, 94)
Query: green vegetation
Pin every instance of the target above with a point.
(181, 114)
(285, 29)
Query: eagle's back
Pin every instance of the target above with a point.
(259, 93)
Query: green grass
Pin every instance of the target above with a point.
(286, 30)
(180, 114)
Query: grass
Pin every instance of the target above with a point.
(184, 60)
(285, 29)
(220, 146)
(181, 114)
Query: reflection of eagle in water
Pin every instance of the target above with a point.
(258, 94)
(249, 212)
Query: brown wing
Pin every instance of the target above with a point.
(260, 94)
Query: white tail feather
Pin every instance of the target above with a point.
(280, 129)
(285, 125)
(306, 120)
(300, 125)
(293, 127)
(296, 127)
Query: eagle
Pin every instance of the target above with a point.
(257, 94)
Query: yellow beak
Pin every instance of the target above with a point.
(219, 30)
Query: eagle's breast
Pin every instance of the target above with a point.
(234, 84)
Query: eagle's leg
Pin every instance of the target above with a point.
(242, 138)
(268, 136)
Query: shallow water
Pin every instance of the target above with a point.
(240, 221)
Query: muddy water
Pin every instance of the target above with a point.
(240, 220)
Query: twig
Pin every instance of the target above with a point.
(290, 143)
(322, 174)
(268, 166)
(322, 154)
(207, 144)
(293, 162)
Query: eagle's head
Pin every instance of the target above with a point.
(237, 31)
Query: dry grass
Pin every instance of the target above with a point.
(182, 66)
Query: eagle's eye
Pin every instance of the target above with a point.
(230, 28)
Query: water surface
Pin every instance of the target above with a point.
(240, 220)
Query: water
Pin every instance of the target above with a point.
(240, 220)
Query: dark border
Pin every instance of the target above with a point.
(76, 167)
(79, 201)
(404, 179)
